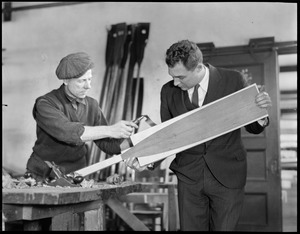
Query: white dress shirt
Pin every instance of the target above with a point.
(202, 89)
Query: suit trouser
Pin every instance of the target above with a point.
(207, 205)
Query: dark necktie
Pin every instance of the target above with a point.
(195, 97)
(75, 102)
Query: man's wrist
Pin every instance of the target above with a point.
(264, 122)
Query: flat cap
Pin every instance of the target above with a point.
(74, 65)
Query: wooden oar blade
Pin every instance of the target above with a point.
(190, 129)
(213, 120)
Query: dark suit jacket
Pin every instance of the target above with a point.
(225, 155)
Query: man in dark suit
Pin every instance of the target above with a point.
(211, 176)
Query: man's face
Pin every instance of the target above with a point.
(183, 78)
(79, 87)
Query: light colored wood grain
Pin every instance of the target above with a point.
(190, 129)
(206, 123)
(94, 219)
(99, 166)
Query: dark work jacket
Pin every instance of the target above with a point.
(59, 128)
(225, 155)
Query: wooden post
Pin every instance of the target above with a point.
(94, 219)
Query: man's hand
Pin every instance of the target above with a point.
(133, 163)
(122, 129)
(263, 99)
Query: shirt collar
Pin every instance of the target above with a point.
(74, 100)
(204, 81)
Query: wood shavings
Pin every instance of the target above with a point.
(9, 182)
(87, 183)
(23, 183)
(114, 179)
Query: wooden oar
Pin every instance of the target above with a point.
(128, 93)
(141, 41)
(120, 36)
(213, 120)
(119, 98)
(192, 128)
(140, 99)
(108, 62)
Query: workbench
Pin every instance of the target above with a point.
(59, 208)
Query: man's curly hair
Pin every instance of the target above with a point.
(186, 52)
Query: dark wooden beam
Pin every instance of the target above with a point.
(255, 45)
(288, 68)
(8, 9)
(288, 94)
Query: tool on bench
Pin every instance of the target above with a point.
(62, 179)
(74, 180)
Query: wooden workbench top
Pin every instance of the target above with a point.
(61, 195)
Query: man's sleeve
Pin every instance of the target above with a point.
(108, 145)
(164, 109)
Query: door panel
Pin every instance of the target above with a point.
(262, 206)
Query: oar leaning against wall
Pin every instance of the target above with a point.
(140, 39)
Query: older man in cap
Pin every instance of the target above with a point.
(66, 118)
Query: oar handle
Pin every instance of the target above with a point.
(99, 166)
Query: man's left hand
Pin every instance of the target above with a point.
(133, 163)
(263, 100)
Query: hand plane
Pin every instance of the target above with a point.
(63, 180)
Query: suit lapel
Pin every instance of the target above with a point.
(181, 101)
(213, 92)
(186, 100)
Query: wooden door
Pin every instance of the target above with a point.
(262, 206)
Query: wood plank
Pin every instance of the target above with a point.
(28, 212)
(99, 166)
(232, 111)
(12, 212)
(124, 213)
(189, 129)
(32, 226)
(35, 204)
(63, 222)
(94, 219)
(67, 195)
